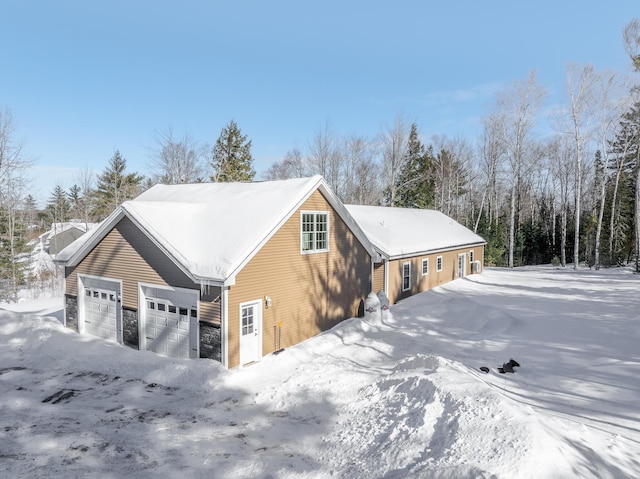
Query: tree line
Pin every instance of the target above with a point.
(568, 196)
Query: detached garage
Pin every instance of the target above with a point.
(225, 271)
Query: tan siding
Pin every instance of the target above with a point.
(434, 278)
(378, 276)
(309, 292)
(126, 253)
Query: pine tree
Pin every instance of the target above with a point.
(58, 207)
(231, 158)
(115, 186)
(415, 184)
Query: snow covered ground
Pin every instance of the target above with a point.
(402, 398)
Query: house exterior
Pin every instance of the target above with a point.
(228, 271)
(419, 249)
(62, 235)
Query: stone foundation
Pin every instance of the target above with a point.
(71, 312)
(130, 335)
(210, 341)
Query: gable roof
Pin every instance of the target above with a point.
(404, 232)
(211, 230)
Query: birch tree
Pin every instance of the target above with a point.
(561, 156)
(14, 165)
(581, 82)
(517, 108)
(631, 39)
(610, 106)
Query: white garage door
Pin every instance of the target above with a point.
(171, 322)
(100, 311)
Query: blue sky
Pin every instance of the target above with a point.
(84, 78)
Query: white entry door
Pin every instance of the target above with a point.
(250, 332)
(462, 265)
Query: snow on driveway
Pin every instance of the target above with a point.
(401, 398)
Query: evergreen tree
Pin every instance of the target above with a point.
(58, 208)
(415, 183)
(115, 186)
(231, 158)
(30, 211)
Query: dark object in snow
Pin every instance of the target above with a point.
(508, 366)
(278, 351)
(59, 396)
(484, 369)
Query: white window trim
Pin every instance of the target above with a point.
(425, 261)
(313, 251)
(407, 263)
(438, 263)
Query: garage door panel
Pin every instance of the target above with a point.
(100, 311)
(168, 325)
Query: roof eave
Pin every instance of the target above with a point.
(434, 250)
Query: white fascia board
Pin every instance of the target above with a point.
(433, 251)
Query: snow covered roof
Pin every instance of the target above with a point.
(211, 230)
(402, 232)
(57, 228)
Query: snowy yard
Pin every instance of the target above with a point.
(404, 398)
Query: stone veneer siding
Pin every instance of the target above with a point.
(71, 311)
(130, 335)
(210, 341)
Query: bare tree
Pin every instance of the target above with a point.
(517, 108)
(85, 182)
(631, 39)
(453, 166)
(561, 156)
(361, 181)
(490, 156)
(177, 161)
(610, 103)
(325, 157)
(293, 165)
(14, 165)
(581, 82)
(393, 140)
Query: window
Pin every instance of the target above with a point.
(425, 266)
(470, 256)
(406, 276)
(314, 230)
(247, 320)
(439, 263)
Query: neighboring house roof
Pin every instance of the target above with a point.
(211, 230)
(59, 228)
(404, 232)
